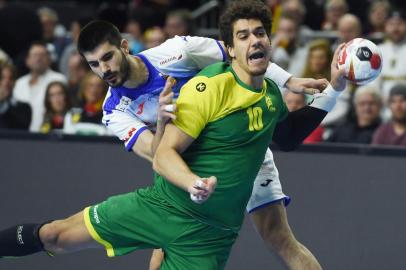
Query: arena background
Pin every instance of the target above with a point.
(348, 201)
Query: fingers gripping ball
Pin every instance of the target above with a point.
(361, 59)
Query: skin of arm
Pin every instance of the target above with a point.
(147, 142)
(168, 162)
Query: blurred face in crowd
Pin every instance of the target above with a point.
(395, 28)
(154, 37)
(251, 48)
(77, 69)
(174, 25)
(294, 101)
(378, 15)
(349, 28)
(38, 59)
(48, 26)
(57, 98)
(110, 63)
(335, 11)
(134, 29)
(367, 109)
(287, 31)
(7, 82)
(318, 60)
(397, 105)
(75, 31)
(294, 9)
(94, 90)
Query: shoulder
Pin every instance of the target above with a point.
(53, 75)
(209, 78)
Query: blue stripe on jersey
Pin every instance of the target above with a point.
(130, 144)
(141, 101)
(223, 53)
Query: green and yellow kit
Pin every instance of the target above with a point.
(232, 125)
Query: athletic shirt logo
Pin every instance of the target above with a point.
(201, 87)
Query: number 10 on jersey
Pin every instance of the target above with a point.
(255, 118)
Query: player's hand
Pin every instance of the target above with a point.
(202, 189)
(306, 85)
(338, 82)
(166, 105)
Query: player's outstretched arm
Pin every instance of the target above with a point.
(168, 163)
(291, 132)
(285, 80)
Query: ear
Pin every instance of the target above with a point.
(125, 46)
(231, 51)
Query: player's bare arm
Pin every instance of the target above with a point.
(168, 163)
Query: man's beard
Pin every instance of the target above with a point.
(122, 75)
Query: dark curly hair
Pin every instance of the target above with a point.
(243, 9)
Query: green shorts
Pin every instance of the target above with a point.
(142, 219)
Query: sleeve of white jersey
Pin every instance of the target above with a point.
(204, 51)
(126, 127)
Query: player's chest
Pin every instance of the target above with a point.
(248, 123)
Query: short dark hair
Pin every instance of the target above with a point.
(243, 9)
(398, 90)
(96, 33)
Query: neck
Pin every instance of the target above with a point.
(138, 72)
(250, 80)
(399, 126)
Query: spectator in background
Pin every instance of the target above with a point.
(77, 69)
(297, 10)
(377, 15)
(31, 87)
(134, 29)
(13, 114)
(349, 27)
(178, 23)
(367, 103)
(334, 10)
(295, 102)
(153, 37)
(318, 60)
(287, 52)
(15, 38)
(56, 43)
(87, 118)
(71, 48)
(57, 104)
(393, 56)
(394, 132)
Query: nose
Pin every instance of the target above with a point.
(255, 41)
(104, 67)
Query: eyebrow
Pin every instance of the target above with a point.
(244, 31)
(101, 58)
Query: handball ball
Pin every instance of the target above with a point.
(361, 59)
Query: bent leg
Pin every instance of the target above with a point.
(272, 224)
(68, 235)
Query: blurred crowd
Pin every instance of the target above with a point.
(46, 86)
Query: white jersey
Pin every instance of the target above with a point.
(128, 112)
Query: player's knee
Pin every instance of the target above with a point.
(50, 234)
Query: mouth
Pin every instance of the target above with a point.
(256, 57)
(111, 78)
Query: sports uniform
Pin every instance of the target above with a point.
(232, 125)
(128, 112)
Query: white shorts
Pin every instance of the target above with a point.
(267, 187)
